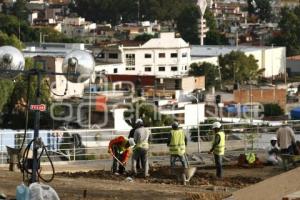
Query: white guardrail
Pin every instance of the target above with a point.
(79, 144)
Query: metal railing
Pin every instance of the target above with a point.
(78, 144)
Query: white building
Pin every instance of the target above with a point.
(273, 59)
(168, 56)
(164, 57)
(77, 27)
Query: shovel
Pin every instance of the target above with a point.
(117, 160)
(188, 172)
(128, 178)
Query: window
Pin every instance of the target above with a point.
(161, 55)
(161, 69)
(173, 55)
(148, 69)
(148, 55)
(130, 68)
(185, 67)
(113, 55)
(115, 70)
(184, 55)
(174, 69)
(130, 59)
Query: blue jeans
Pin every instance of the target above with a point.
(289, 150)
(181, 158)
(218, 162)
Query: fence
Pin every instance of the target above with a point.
(92, 144)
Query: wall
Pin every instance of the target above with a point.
(274, 61)
(200, 82)
(261, 96)
(155, 62)
(119, 122)
(190, 116)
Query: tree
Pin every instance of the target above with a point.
(260, 8)
(272, 109)
(55, 36)
(6, 86)
(112, 10)
(264, 10)
(238, 67)
(148, 112)
(187, 24)
(11, 25)
(15, 108)
(144, 37)
(289, 34)
(19, 9)
(210, 71)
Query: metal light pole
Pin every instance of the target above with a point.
(198, 128)
(12, 63)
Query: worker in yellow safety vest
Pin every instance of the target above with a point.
(177, 144)
(218, 147)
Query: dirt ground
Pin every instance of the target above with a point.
(102, 185)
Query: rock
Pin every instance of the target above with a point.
(129, 179)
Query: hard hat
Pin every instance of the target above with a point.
(274, 138)
(175, 125)
(131, 142)
(139, 121)
(216, 125)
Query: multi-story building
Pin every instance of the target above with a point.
(134, 29)
(77, 27)
(163, 57)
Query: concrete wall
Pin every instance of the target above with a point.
(274, 61)
(119, 122)
(190, 114)
(182, 63)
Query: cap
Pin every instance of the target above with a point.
(216, 125)
(139, 121)
(274, 138)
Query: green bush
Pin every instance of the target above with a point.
(272, 109)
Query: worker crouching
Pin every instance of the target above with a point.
(119, 148)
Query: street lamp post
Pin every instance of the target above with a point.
(12, 64)
(198, 128)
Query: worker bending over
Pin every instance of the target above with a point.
(119, 148)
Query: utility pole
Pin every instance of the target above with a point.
(138, 14)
